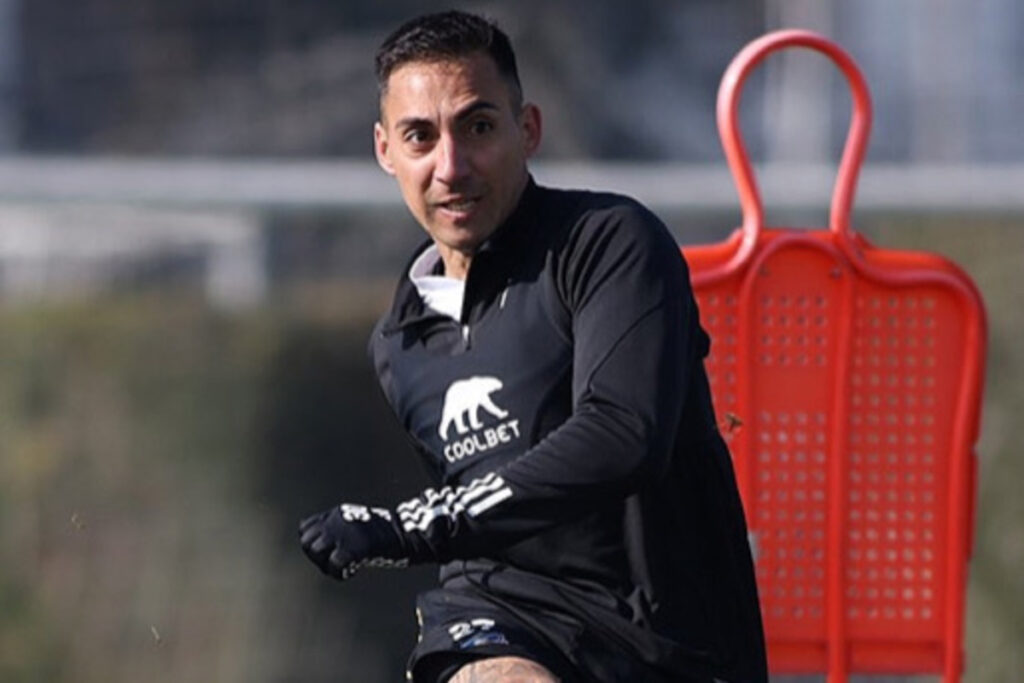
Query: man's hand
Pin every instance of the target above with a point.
(346, 538)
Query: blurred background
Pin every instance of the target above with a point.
(195, 241)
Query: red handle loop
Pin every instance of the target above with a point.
(735, 151)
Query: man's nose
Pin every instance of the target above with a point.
(452, 161)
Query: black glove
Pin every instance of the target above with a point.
(346, 538)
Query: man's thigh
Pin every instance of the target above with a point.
(503, 670)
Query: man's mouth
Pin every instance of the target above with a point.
(460, 205)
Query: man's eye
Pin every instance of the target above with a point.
(416, 136)
(481, 127)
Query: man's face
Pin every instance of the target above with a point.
(457, 145)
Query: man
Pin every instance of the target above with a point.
(544, 355)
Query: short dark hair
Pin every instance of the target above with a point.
(447, 36)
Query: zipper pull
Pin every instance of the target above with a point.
(504, 294)
(465, 336)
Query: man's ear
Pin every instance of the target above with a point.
(531, 125)
(380, 148)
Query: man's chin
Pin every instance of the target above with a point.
(462, 238)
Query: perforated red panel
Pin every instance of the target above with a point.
(811, 362)
(901, 414)
(793, 303)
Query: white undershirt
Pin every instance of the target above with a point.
(440, 293)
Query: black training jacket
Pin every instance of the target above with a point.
(568, 423)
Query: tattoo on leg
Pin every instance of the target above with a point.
(503, 670)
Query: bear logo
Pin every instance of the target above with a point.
(464, 399)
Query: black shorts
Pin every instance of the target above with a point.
(460, 626)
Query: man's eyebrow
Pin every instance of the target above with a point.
(418, 121)
(413, 122)
(474, 108)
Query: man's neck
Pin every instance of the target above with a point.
(456, 263)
